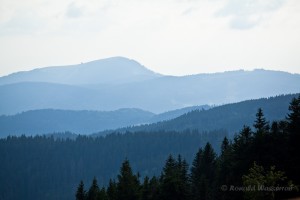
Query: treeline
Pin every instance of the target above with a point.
(43, 167)
(262, 163)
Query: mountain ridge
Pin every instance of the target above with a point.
(138, 88)
(229, 117)
(80, 122)
(85, 73)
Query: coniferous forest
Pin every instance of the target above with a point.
(45, 167)
(260, 162)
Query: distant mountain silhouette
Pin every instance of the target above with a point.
(80, 122)
(115, 83)
(115, 70)
(203, 118)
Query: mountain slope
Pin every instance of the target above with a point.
(220, 88)
(230, 117)
(80, 122)
(21, 97)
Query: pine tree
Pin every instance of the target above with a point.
(184, 182)
(175, 180)
(196, 174)
(112, 190)
(225, 145)
(260, 148)
(146, 190)
(81, 193)
(261, 125)
(128, 186)
(242, 154)
(93, 191)
(224, 171)
(293, 119)
(169, 180)
(154, 188)
(203, 173)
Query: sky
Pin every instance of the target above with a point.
(174, 37)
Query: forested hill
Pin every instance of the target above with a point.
(40, 167)
(80, 122)
(45, 168)
(47, 121)
(230, 117)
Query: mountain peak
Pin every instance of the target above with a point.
(114, 70)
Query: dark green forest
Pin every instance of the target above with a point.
(158, 165)
(231, 117)
(43, 167)
(260, 163)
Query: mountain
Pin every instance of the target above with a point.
(80, 122)
(116, 83)
(230, 117)
(19, 97)
(115, 70)
(45, 168)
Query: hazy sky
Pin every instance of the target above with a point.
(168, 36)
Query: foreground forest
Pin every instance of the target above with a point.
(262, 163)
(43, 167)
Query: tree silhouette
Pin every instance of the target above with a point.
(128, 186)
(81, 193)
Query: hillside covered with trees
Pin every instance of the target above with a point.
(230, 117)
(42, 167)
(260, 163)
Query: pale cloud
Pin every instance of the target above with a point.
(168, 36)
(74, 11)
(248, 13)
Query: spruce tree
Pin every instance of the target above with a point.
(93, 191)
(196, 174)
(81, 193)
(183, 182)
(128, 186)
(260, 147)
(261, 125)
(154, 188)
(203, 174)
(146, 190)
(242, 154)
(293, 119)
(175, 180)
(112, 190)
(169, 180)
(224, 170)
